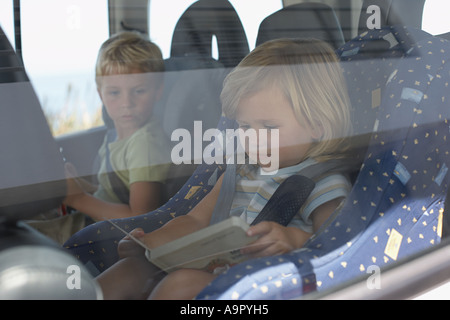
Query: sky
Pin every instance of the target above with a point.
(60, 44)
(435, 16)
(82, 27)
(74, 25)
(162, 19)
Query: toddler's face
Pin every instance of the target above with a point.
(269, 109)
(129, 99)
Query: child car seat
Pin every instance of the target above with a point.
(367, 62)
(396, 206)
(391, 13)
(382, 192)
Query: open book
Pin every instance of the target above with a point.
(214, 246)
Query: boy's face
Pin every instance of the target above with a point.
(269, 109)
(129, 99)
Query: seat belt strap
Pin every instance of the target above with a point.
(286, 200)
(118, 186)
(226, 195)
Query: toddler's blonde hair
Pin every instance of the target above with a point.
(309, 74)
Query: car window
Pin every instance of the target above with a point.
(251, 18)
(163, 18)
(435, 17)
(60, 41)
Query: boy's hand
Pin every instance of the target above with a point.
(274, 239)
(128, 247)
(76, 183)
(74, 190)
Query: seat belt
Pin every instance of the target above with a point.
(226, 195)
(118, 186)
(287, 199)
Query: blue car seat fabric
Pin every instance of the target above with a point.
(396, 206)
(368, 62)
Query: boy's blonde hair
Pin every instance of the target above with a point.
(128, 52)
(308, 73)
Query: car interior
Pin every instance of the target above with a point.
(397, 75)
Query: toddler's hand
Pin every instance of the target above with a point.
(74, 190)
(274, 239)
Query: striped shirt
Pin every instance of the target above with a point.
(253, 190)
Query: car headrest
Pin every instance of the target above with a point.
(204, 19)
(383, 13)
(303, 20)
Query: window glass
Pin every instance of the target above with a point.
(7, 19)
(60, 42)
(163, 19)
(252, 18)
(435, 16)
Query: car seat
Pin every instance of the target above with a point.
(367, 62)
(203, 20)
(391, 13)
(32, 181)
(302, 20)
(396, 205)
(189, 96)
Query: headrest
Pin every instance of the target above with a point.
(31, 166)
(203, 19)
(303, 20)
(382, 13)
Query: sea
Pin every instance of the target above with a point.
(70, 100)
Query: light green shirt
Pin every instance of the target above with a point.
(143, 157)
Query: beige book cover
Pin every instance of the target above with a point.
(214, 246)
